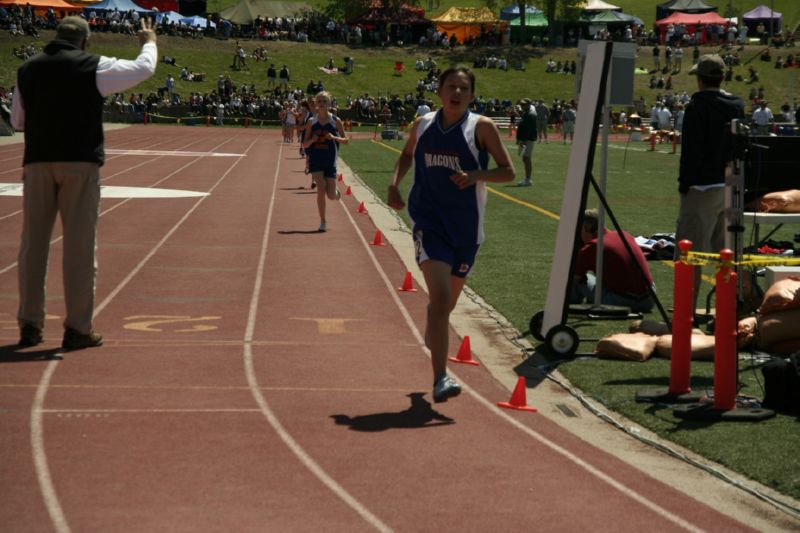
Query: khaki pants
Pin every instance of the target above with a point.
(71, 189)
(702, 220)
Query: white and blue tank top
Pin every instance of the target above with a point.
(324, 152)
(435, 203)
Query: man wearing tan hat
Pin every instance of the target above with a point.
(701, 180)
(61, 169)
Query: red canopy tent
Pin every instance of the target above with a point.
(694, 22)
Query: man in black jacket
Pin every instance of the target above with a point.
(704, 156)
(61, 169)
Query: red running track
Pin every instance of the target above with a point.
(260, 376)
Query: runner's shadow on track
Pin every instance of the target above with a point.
(299, 231)
(11, 353)
(419, 415)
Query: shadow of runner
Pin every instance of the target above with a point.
(419, 415)
(12, 353)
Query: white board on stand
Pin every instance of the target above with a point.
(592, 96)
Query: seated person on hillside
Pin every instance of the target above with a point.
(790, 62)
(622, 279)
(168, 60)
(779, 62)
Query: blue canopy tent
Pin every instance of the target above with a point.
(120, 5)
(196, 20)
(512, 12)
(171, 16)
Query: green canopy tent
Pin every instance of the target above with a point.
(609, 17)
(535, 24)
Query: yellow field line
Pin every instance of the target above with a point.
(490, 189)
(523, 203)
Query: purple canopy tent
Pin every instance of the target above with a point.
(762, 14)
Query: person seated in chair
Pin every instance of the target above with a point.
(623, 283)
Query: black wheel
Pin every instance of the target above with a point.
(562, 341)
(535, 326)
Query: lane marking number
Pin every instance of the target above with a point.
(149, 323)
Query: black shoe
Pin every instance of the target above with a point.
(74, 340)
(29, 335)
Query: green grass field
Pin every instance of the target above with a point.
(512, 273)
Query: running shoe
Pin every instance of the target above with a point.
(323, 227)
(444, 389)
(29, 335)
(525, 183)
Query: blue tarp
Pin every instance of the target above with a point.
(120, 5)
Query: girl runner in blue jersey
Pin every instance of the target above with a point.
(323, 134)
(450, 149)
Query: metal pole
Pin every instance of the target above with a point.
(598, 288)
(771, 19)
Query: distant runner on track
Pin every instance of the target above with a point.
(323, 135)
(450, 150)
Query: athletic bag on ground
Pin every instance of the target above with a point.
(782, 384)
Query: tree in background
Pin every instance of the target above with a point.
(562, 9)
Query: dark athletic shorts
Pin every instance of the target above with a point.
(431, 245)
(327, 172)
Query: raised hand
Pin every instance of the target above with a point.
(146, 34)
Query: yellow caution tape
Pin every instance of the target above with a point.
(750, 260)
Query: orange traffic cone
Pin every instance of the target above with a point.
(340, 178)
(348, 192)
(518, 400)
(362, 208)
(464, 354)
(408, 284)
(378, 240)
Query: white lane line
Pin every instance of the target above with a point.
(49, 495)
(178, 153)
(160, 410)
(123, 202)
(252, 380)
(390, 287)
(40, 456)
(103, 180)
(113, 191)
